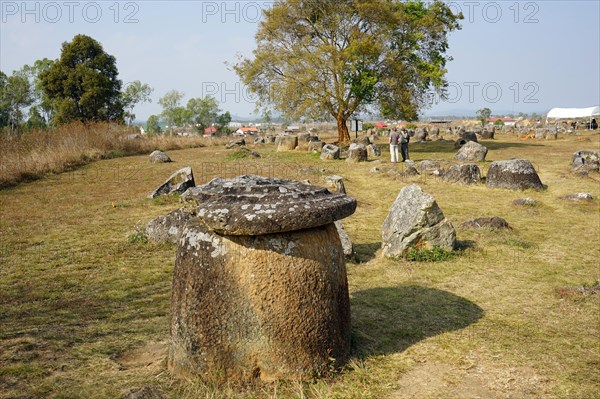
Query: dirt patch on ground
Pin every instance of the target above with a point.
(480, 381)
(151, 356)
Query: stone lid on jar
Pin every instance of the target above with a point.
(255, 205)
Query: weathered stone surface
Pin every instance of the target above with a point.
(159, 157)
(287, 143)
(488, 133)
(145, 392)
(578, 197)
(178, 182)
(315, 146)
(330, 151)
(410, 169)
(364, 140)
(259, 140)
(429, 166)
(525, 202)
(168, 228)
(266, 307)
(253, 205)
(375, 170)
(357, 153)
(235, 143)
(471, 152)
(493, 222)
(373, 151)
(420, 134)
(303, 137)
(415, 221)
(551, 135)
(584, 162)
(469, 136)
(336, 183)
(463, 174)
(459, 143)
(345, 240)
(513, 174)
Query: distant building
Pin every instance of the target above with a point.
(245, 131)
(381, 125)
(506, 121)
(210, 131)
(293, 128)
(234, 125)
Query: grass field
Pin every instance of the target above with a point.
(84, 310)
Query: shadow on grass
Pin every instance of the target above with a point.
(389, 320)
(366, 252)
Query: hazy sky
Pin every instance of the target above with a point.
(510, 56)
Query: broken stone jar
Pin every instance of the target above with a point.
(259, 286)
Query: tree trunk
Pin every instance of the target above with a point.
(343, 134)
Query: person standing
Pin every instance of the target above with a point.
(394, 139)
(404, 139)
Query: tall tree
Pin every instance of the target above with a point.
(341, 56)
(483, 114)
(170, 102)
(203, 111)
(41, 102)
(83, 83)
(15, 96)
(222, 121)
(135, 93)
(152, 125)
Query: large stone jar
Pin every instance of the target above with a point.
(259, 287)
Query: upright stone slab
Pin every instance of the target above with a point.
(259, 286)
(178, 182)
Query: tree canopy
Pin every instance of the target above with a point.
(483, 114)
(340, 57)
(82, 84)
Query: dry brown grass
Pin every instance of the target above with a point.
(84, 313)
(35, 154)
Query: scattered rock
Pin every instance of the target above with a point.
(178, 182)
(235, 143)
(488, 133)
(469, 136)
(578, 197)
(375, 170)
(410, 169)
(364, 140)
(584, 162)
(345, 239)
(287, 143)
(471, 152)
(357, 153)
(463, 174)
(336, 183)
(525, 202)
(159, 157)
(459, 143)
(330, 151)
(420, 134)
(513, 174)
(493, 222)
(303, 137)
(315, 146)
(259, 140)
(430, 167)
(225, 213)
(373, 151)
(415, 221)
(168, 228)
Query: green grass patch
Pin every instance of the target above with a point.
(436, 254)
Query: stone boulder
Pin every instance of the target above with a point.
(303, 137)
(488, 133)
(415, 221)
(493, 222)
(471, 152)
(430, 167)
(287, 143)
(420, 134)
(259, 140)
(462, 174)
(345, 239)
(584, 162)
(159, 157)
(178, 182)
(330, 151)
(235, 143)
(525, 202)
(357, 153)
(315, 146)
(364, 140)
(469, 136)
(459, 143)
(373, 151)
(513, 174)
(578, 197)
(335, 182)
(168, 228)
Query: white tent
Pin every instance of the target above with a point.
(572, 113)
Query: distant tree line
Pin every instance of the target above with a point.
(82, 85)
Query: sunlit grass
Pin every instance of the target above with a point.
(78, 293)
